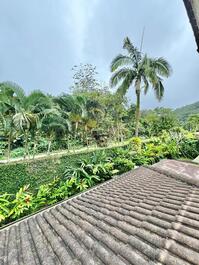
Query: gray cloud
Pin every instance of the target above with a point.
(42, 40)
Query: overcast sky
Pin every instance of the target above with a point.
(40, 41)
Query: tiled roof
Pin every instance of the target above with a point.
(142, 217)
(192, 7)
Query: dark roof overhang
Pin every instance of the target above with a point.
(193, 19)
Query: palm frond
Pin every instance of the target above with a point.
(161, 66)
(159, 89)
(12, 89)
(120, 60)
(11, 95)
(48, 112)
(25, 120)
(119, 75)
(66, 102)
(37, 101)
(146, 84)
(132, 50)
(151, 75)
(69, 125)
(127, 82)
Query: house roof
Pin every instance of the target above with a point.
(192, 7)
(147, 216)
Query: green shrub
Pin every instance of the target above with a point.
(24, 202)
(34, 173)
(140, 159)
(93, 169)
(136, 143)
(18, 152)
(122, 164)
(124, 152)
(4, 206)
(189, 148)
(42, 147)
(3, 146)
(54, 179)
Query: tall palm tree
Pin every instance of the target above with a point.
(140, 71)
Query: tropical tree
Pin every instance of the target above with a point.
(84, 78)
(140, 71)
(7, 131)
(24, 121)
(153, 122)
(193, 122)
(42, 106)
(87, 124)
(10, 99)
(55, 127)
(22, 115)
(30, 113)
(73, 109)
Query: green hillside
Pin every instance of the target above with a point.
(184, 112)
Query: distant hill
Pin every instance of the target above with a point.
(184, 112)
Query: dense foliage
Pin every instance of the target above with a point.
(41, 123)
(83, 172)
(36, 172)
(91, 115)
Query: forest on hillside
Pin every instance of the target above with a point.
(183, 113)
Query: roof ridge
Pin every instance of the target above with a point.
(191, 162)
(181, 177)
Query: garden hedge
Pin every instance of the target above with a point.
(36, 172)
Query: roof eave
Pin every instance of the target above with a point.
(192, 20)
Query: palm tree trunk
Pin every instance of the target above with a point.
(118, 132)
(68, 143)
(76, 127)
(9, 147)
(26, 145)
(114, 134)
(34, 148)
(49, 146)
(86, 136)
(137, 113)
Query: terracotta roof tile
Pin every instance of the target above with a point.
(147, 216)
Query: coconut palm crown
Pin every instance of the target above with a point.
(140, 71)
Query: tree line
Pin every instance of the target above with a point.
(91, 113)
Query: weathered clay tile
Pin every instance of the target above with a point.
(148, 216)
